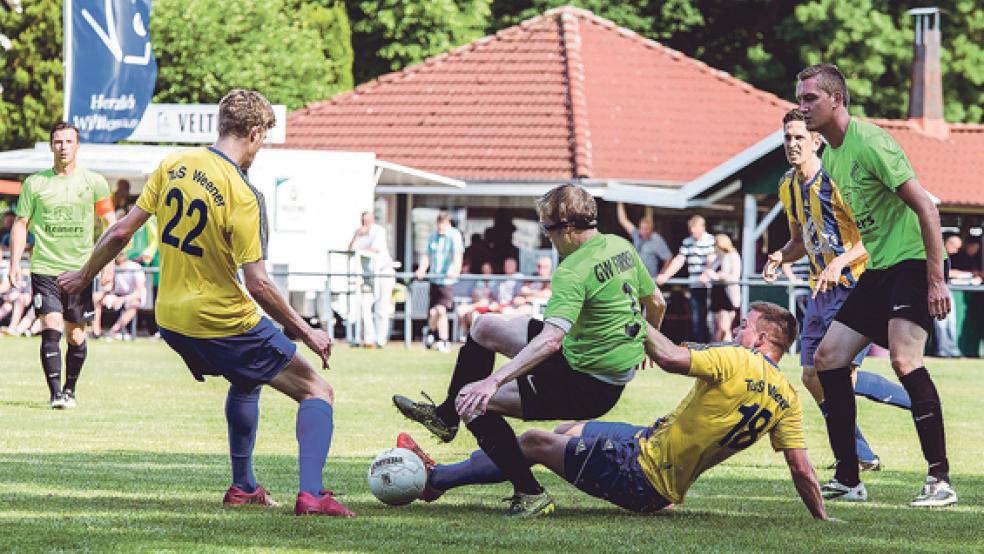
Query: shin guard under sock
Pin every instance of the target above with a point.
(315, 424)
(927, 414)
(74, 358)
(475, 362)
(51, 359)
(838, 394)
(242, 416)
(498, 441)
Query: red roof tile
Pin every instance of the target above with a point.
(950, 167)
(563, 95)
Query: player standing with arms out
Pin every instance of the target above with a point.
(900, 293)
(821, 227)
(572, 365)
(59, 206)
(214, 222)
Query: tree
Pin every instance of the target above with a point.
(203, 51)
(389, 35)
(32, 74)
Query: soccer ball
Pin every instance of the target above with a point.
(397, 476)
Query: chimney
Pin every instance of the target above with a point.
(926, 94)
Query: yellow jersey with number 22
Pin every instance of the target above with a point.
(211, 221)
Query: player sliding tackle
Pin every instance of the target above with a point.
(216, 224)
(740, 395)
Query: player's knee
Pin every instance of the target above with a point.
(533, 441)
(565, 427)
(903, 363)
(320, 388)
(76, 337)
(825, 357)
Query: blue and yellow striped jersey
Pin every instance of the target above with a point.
(825, 221)
(740, 396)
(211, 221)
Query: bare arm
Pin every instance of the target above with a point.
(474, 399)
(655, 307)
(623, 219)
(18, 240)
(111, 243)
(262, 288)
(423, 266)
(805, 481)
(668, 356)
(914, 196)
(671, 269)
(793, 250)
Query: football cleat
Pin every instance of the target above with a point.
(935, 494)
(307, 504)
(57, 403)
(870, 465)
(835, 490)
(530, 505)
(68, 399)
(236, 496)
(430, 493)
(425, 413)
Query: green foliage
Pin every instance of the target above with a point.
(31, 73)
(278, 47)
(389, 35)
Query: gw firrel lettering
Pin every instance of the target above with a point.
(619, 263)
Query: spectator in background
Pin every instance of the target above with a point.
(507, 289)
(143, 246)
(651, 247)
(8, 224)
(534, 294)
(480, 301)
(725, 298)
(443, 257)
(969, 259)
(945, 329)
(697, 251)
(128, 293)
(369, 244)
(16, 303)
(478, 251)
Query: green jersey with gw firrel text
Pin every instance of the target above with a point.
(869, 167)
(61, 210)
(596, 291)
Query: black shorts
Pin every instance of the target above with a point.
(884, 294)
(48, 298)
(552, 390)
(720, 300)
(442, 295)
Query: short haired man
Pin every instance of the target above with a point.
(572, 365)
(821, 227)
(696, 251)
(370, 246)
(740, 396)
(59, 207)
(900, 293)
(443, 257)
(651, 246)
(214, 224)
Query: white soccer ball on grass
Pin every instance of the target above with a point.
(397, 476)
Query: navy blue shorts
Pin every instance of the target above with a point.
(604, 462)
(247, 361)
(820, 311)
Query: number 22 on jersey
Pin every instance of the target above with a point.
(196, 209)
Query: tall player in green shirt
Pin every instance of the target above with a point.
(572, 365)
(59, 206)
(897, 297)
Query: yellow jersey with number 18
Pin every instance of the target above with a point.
(211, 221)
(740, 396)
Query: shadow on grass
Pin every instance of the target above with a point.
(125, 500)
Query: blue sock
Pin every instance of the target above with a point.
(242, 415)
(314, 427)
(875, 387)
(478, 469)
(861, 445)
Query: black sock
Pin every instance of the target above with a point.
(51, 359)
(497, 439)
(74, 358)
(842, 415)
(474, 363)
(927, 414)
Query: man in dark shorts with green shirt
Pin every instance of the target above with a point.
(58, 205)
(898, 296)
(572, 365)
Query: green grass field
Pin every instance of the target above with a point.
(141, 465)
